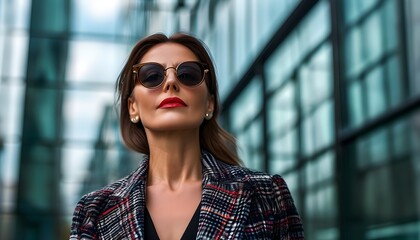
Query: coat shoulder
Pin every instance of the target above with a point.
(255, 178)
(91, 205)
(99, 205)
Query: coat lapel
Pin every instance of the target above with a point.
(225, 202)
(124, 214)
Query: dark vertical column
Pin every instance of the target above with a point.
(336, 40)
(344, 155)
(38, 190)
(402, 47)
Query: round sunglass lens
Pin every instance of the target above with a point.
(151, 75)
(190, 73)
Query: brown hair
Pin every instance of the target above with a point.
(212, 137)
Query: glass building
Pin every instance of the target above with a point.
(325, 93)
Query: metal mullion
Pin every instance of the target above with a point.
(348, 135)
(402, 46)
(342, 166)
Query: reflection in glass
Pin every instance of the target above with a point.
(11, 110)
(247, 106)
(314, 28)
(372, 33)
(82, 111)
(392, 30)
(373, 66)
(13, 55)
(97, 16)
(92, 61)
(283, 61)
(396, 86)
(315, 79)
(247, 126)
(376, 94)
(221, 53)
(317, 129)
(283, 152)
(413, 22)
(282, 116)
(354, 52)
(282, 112)
(386, 186)
(354, 9)
(250, 145)
(74, 157)
(320, 198)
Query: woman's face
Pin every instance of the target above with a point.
(172, 105)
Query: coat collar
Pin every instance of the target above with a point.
(214, 171)
(224, 204)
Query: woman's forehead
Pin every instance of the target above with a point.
(169, 54)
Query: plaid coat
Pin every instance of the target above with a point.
(236, 204)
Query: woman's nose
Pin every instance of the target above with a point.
(171, 81)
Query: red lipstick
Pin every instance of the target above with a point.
(172, 102)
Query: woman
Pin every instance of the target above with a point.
(190, 185)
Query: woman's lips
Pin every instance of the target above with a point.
(172, 102)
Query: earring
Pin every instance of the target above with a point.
(135, 119)
(208, 116)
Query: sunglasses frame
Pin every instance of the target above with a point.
(137, 67)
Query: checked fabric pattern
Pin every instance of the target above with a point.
(236, 203)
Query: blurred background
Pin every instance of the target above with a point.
(324, 92)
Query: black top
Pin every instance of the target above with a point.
(190, 231)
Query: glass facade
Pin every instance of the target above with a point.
(325, 93)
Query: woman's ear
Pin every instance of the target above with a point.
(210, 104)
(132, 107)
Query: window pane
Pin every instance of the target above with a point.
(82, 112)
(93, 61)
(246, 126)
(376, 95)
(390, 21)
(315, 27)
(250, 145)
(315, 79)
(247, 106)
(97, 16)
(413, 20)
(11, 110)
(324, 125)
(355, 102)
(14, 14)
(387, 159)
(318, 129)
(354, 9)
(13, 55)
(395, 83)
(372, 36)
(282, 110)
(282, 62)
(373, 57)
(320, 198)
(283, 152)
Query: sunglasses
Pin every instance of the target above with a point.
(152, 75)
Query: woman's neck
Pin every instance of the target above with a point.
(175, 158)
